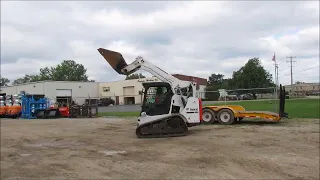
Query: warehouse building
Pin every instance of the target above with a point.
(302, 89)
(60, 91)
(130, 91)
(122, 92)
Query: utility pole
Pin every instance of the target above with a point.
(277, 75)
(291, 57)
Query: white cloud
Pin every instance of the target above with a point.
(190, 37)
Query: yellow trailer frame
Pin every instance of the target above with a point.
(228, 114)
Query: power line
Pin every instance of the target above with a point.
(291, 67)
(309, 68)
(300, 71)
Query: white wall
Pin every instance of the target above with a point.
(80, 90)
(34, 88)
(201, 91)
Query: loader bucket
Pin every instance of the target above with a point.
(115, 59)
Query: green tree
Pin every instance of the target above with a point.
(216, 81)
(211, 92)
(4, 81)
(68, 70)
(252, 75)
(26, 79)
(135, 76)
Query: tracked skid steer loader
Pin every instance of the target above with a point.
(169, 107)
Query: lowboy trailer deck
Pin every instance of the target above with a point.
(228, 114)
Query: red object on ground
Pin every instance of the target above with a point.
(64, 111)
(200, 109)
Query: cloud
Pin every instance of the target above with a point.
(191, 37)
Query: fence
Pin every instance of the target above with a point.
(239, 94)
(262, 99)
(255, 99)
(65, 101)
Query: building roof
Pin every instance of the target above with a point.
(198, 80)
(37, 82)
(303, 84)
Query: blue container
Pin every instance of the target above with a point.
(31, 103)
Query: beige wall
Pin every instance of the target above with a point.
(113, 89)
(304, 87)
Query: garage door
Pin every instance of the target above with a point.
(129, 90)
(63, 92)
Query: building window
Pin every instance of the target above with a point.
(106, 89)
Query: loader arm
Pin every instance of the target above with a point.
(164, 113)
(118, 63)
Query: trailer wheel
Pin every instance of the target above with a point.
(225, 116)
(208, 116)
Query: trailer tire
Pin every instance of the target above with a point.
(208, 116)
(226, 117)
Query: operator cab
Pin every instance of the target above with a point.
(157, 98)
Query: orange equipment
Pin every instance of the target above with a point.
(13, 111)
(3, 111)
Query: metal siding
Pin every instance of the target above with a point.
(64, 92)
(32, 88)
(80, 90)
(9, 90)
(200, 81)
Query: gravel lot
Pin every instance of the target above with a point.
(107, 148)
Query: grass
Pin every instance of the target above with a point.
(296, 108)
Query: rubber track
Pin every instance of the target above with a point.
(163, 134)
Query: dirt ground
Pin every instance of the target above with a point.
(105, 148)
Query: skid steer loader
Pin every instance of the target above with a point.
(169, 107)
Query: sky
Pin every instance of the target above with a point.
(194, 38)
